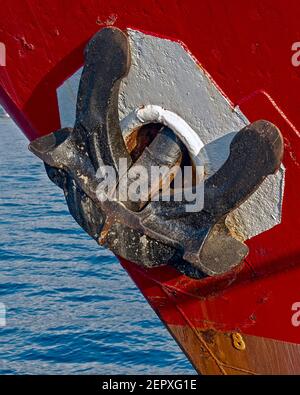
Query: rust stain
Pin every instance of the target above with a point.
(235, 227)
(209, 336)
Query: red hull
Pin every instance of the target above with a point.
(246, 48)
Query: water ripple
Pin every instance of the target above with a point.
(71, 308)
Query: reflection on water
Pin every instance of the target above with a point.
(70, 307)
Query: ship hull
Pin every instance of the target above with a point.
(244, 322)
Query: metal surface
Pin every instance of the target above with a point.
(163, 232)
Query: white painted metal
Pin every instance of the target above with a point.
(156, 114)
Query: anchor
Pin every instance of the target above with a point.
(150, 232)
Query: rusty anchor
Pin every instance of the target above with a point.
(150, 233)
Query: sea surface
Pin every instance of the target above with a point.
(70, 306)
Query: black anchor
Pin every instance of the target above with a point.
(150, 233)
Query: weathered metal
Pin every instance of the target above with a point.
(159, 232)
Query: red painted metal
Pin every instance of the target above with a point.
(246, 48)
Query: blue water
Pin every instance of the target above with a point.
(70, 307)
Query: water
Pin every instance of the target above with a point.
(70, 307)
